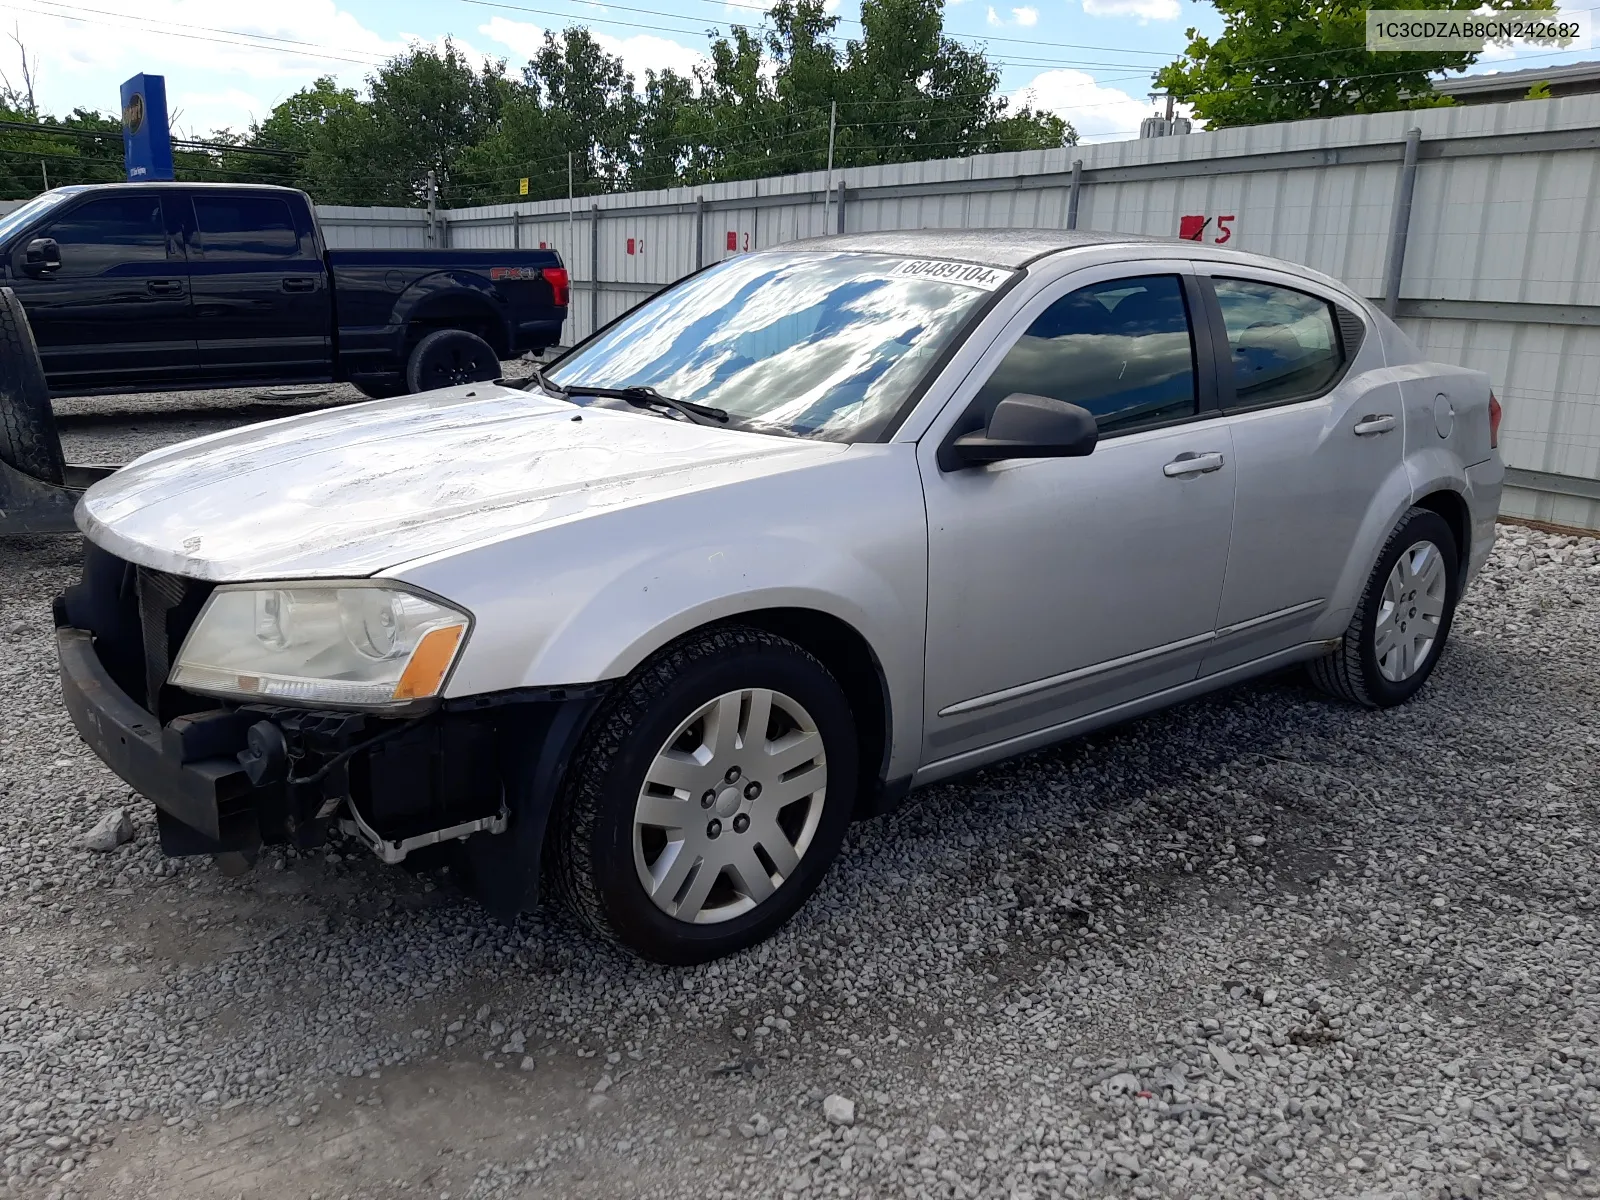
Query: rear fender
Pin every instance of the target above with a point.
(1389, 503)
(1438, 469)
(436, 299)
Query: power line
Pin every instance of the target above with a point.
(68, 16)
(260, 37)
(657, 27)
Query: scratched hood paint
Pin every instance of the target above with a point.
(351, 491)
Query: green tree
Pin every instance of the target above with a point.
(1288, 60)
(83, 147)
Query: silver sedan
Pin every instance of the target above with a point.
(811, 528)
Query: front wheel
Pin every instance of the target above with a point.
(380, 387)
(1398, 631)
(710, 797)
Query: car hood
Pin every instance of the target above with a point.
(350, 491)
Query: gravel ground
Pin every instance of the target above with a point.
(1261, 945)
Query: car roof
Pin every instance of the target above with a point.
(1016, 248)
(1009, 248)
(141, 184)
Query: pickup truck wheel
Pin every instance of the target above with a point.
(709, 799)
(379, 389)
(28, 438)
(1398, 631)
(447, 357)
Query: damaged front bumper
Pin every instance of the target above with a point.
(480, 775)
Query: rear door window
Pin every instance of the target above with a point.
(246, 227)
(1121, 349)
(1283, 343)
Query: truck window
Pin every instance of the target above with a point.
(108, 231)
(246, 227)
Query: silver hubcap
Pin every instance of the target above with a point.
(729, 806)
(1409, 616)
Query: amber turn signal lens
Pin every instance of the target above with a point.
(429, 662)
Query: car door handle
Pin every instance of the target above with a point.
(164, 287)
(1190, 463)
(299, 284)
(1374, 423)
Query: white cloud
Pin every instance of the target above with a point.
(1025, 17)
(640, 53)
(1098, 113)
(1145, 10)
(224, 64)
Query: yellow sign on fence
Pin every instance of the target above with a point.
(522, 187)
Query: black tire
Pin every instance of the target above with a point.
(380, 389)
(593, 848)
(448, 357)
(1352, 672)
(28, 438)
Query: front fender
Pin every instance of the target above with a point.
(591, 599)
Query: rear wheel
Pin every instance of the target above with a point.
(710, 797)
(28, 438)
(1399, 629)
(448, 357)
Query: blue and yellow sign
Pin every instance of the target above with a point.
(146, 142)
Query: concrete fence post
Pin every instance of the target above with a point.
(594, 267)
(1400, 222)
(839, 208)
(1072, 193)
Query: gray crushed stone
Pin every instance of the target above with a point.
(1261, 945)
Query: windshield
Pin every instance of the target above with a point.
(815, 345)
(18, 217)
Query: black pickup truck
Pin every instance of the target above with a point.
(160, 286)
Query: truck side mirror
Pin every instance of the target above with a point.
(41, 256)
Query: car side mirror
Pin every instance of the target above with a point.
(1025, 426)
(41, 255)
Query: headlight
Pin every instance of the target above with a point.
(372, 647)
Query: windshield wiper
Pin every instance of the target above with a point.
(639, 397)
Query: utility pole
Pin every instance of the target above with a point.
(827, 192)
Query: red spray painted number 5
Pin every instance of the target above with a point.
(1193, 228)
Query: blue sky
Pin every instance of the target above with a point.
(228, 62)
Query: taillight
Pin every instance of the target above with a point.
(1494, 422)
(556, 277)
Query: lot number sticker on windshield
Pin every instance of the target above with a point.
(969, 274)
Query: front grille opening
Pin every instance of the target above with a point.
(139, 618)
